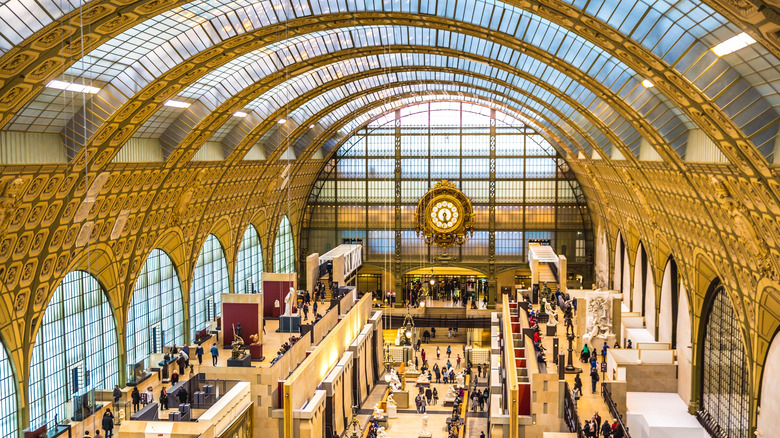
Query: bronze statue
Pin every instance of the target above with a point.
(238, 345)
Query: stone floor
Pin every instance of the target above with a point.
(409, 422)
(589, 403)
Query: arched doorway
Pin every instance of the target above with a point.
(667, 315)
(724, 407)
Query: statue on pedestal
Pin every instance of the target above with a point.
(599, 319)
(549, 310)
(568, 319)
(289, 302)
(237, 345)
(378, 412)
(424, 429)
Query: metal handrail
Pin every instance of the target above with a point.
(570, 415)
(607, 395)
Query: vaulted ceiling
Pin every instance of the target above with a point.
(620, 88)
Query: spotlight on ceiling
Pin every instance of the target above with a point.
(281, 121)
(176, 104)
(647, 84)
(69, 86)
(733, 44)
(240, 114)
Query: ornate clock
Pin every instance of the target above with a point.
(444, 216)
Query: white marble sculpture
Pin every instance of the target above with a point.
(395, 382)
(598, 326)
(410, 366)
(423, 378)
(460, 380)
(392, 407)
(378, 412)
(289, 302)
(424, 429)
(549, 310)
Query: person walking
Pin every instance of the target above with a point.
(457, 361)
(174, 377)
(435, 395)
(604, 349)
(438, 353)
(594, 378)
(433, 332)
(578, 382)
(181, 362)
(606, 430)
(107, 423)
(576, 394)
(305, 312)
(449, 351)
(199, 353)
(418, 403)
(149, 396)
(214, 354)
(117, 394)
(136, 397)
(422, 355)
(428, 395)
(163, 399)
(182, 395)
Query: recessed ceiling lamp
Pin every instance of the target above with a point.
(281, 121)
(69, 86)
(176, 104)
(311, 126)
(733, 44)
(647, 84)
(240, 114)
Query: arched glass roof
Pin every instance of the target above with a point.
(580, 59)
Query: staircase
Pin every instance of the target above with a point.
(546, 275)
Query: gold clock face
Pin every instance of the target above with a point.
(445, 213)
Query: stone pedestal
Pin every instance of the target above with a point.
(392, 411)
(244, 360)
(289, 324)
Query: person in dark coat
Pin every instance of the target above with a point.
(182, 395)
(136, 397)
(199, 353)
(107, 423)
(606, 430)
(594, 378)
(428, 395)
(117, 394)
(164, 399)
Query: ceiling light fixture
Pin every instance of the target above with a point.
(733, 44)
(311, 126)
(240, 114)
(176, 104)
(69, 86)
(647, 84)
(281, 121)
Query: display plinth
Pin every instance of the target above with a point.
(289, 324)
(244, 360)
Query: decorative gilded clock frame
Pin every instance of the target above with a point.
(444, 229)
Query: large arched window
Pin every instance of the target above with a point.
(75, 348)
(210, 280)
(8, 404)
(156, 316)
(725, 384)
(284, 248)
(249, 263)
